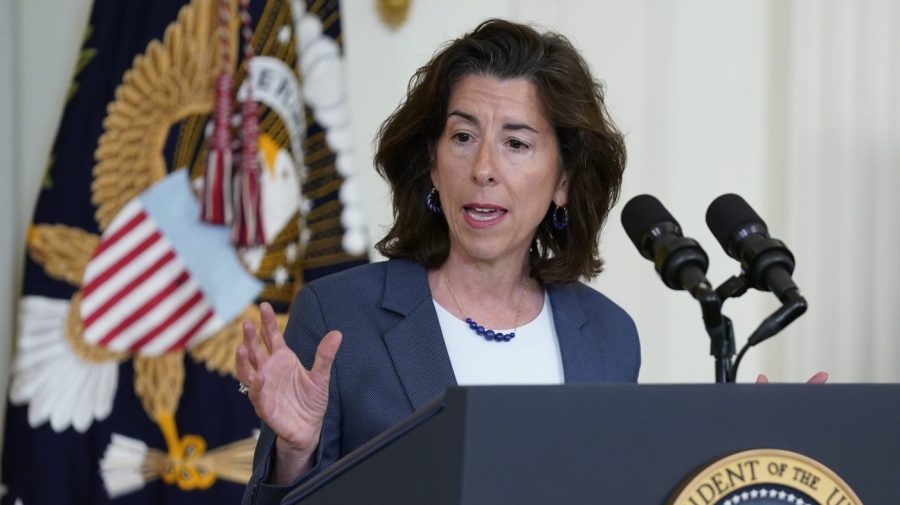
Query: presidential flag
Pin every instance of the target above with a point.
(203, 164)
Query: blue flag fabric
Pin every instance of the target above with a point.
(123, 387)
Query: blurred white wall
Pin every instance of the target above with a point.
(841, 161)
(9, 215)
(707, 93)
(39, 44)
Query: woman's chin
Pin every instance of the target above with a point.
(487, 251)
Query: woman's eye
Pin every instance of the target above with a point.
(517, 145)
(462, 137)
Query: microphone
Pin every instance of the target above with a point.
(766, 262)
(680, 261)
(681, 264)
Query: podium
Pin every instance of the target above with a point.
(614, 444)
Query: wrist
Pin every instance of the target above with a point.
(290, 462)
(292, 450)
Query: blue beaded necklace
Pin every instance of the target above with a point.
(481, 331)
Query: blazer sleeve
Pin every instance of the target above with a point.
(306, 327)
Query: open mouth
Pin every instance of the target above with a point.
(484, 213)
(481, 215)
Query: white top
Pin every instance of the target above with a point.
(532, 357)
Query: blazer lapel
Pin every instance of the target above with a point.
(582, 355)
(416, 344)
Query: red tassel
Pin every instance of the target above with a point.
(247, 229)
(216, 205)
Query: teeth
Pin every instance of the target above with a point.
(480, 214)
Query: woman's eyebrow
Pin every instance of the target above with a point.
(465, 115)
(506, 126)
(519, 126)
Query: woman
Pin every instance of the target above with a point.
(504, 165)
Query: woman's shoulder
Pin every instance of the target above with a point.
(585, 307)
(589, 297)
(580, 298)
(365, 273)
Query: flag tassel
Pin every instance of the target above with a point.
(216, 206)
(247, 228)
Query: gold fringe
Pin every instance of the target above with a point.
(318, 155)
(316, 7)
(330, 259)
(320, 225)
(325, 189)
(283, 294)
(323, 244)
(330, 20)
(158, 382)
(74, 337)
(325, 208)
(315, 138)
(232, 462)
(63, 251)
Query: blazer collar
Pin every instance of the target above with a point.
(581, 357)
(405, 286)
(415, 344)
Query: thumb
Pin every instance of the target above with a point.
(762, 379)
(325, 353)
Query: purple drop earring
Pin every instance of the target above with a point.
(433, 201)
(559, 217)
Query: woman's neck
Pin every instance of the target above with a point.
(496, 294)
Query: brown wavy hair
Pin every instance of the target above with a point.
(592, 150)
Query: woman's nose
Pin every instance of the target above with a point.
(483, 169)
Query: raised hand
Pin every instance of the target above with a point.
(289, 398)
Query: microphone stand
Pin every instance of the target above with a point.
(719, 329)
(793, 306)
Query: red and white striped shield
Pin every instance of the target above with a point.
(145, 291)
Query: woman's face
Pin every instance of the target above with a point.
(497, 168)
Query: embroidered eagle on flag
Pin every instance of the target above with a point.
(157, 284)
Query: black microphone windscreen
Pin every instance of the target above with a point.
(727, 214)
(640, 214)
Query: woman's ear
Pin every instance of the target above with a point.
(561, 193)
(432, 164)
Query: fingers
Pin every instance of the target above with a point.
(253, 380)
(271, 335)
(247, 374)
(325, 353)
(249, 377)
(255, 352)
(243, 369)
(819, 378)
(251, 354)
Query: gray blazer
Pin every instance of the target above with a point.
(392, 358)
